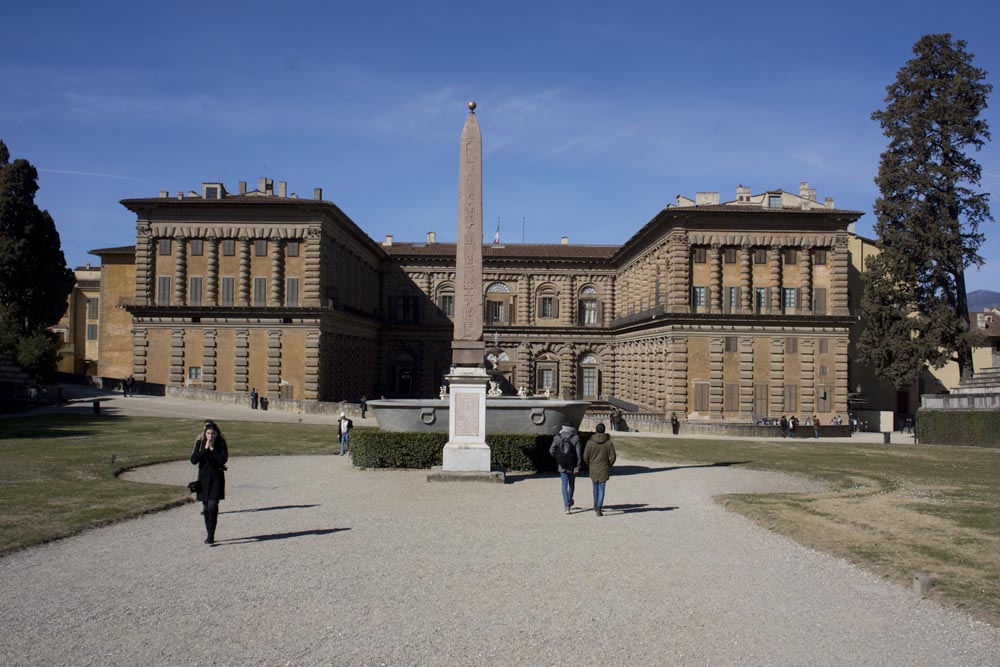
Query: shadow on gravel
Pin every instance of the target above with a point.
(277, 536)
(635, 509)
(268, 509)
(640, 470)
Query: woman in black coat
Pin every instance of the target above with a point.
(210, 454)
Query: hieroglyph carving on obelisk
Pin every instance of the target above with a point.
(467, 346)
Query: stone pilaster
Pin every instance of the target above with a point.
(140, 346)
(678, 378)
(777, 379)
(746, 378)
(274, 363)
(716, 348)
(241, 362)
(243, 298)
(180, 271)
(567, 372)
(312, 383)
(662, 391)
(746, 280)
(276, 295)
(145, 276)
(840, 267)
(208, 379)
(610, 377)
(680, 276)
(806, 279)
(840, 387)
(775, 279)
(807, 371)
(212, 274)
(715, 278)
(523, 298)
(311, 280)
(177, 356)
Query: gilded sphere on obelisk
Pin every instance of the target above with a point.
(472, 105)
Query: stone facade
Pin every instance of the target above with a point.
(714, 311)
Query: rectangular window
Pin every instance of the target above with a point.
(406, 309)
(547, 307)
(732, 398)
(819, 256)
(819, 301)
(447, 305)
(588, 309)
(495, 312)
(823, 370)
(824, 398)
(824, 345)
(588, 377)
(546, 378)
(729, 255)
(91, 332)
(194, 373)
(197, 247)
(195, 284)
(292, 292)
(732, 344)
(163, 291)
(260, 291)
(228, 247)
(292, 249)
(760, 400)
(788, 298)
(791, 255)
(760, 299)
(260, 248)
(227, 291)
(792, 345)
(732, 302)
(698, 297)
(93, 311)
(791, 398)
(700, 255)
(760, 256)
(701, 396)
(164, 245)
(774, 201)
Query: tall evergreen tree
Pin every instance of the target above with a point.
(34, 279)
(915, 306)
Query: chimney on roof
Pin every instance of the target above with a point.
(828, 202)
(431, 238)
(706, 198)
(282, 188)
(806, 192)
(164, 194)
(388, 241)
(742, 193)
(180, 194)
(317, 193)
(564, 240)
(261, 184)
(243, 187)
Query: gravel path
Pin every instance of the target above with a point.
(321, 564)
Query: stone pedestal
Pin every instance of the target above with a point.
(467, 450)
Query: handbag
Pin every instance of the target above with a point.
(195, 486)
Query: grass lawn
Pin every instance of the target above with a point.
(59, 473)
(892, 509)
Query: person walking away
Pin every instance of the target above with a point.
(565, 449)
(344, 426)
(783, 423)
(793, 423)
(210, 455)
(816, 426)
(599, 455)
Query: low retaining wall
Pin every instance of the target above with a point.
(353, 410)
(650, 424)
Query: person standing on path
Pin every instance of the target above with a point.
(210, 455)
(816, 426)
(344, 426)
(565, 449)
(599, 455)
(253, 398)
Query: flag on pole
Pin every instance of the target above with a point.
(496, 237)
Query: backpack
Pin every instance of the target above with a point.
(566, 453)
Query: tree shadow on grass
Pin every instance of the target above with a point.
(640, 470)
(268, 509)
(251, 539)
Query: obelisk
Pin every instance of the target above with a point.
(467, 451)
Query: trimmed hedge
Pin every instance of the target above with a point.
(374, 448)
(967, 428)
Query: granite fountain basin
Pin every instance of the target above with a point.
(543, 416)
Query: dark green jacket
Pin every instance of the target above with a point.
(599, 455)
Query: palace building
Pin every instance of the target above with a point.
(733, 310)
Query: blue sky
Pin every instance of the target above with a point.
(594, 115)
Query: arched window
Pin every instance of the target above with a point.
(547, 303)
(446, 299)
(589, 378)
(590, 307)
(547, 374)
(499, 308)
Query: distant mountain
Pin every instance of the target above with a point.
(981, 299)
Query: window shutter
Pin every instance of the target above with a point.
(600, 313)
(725, 299)
(798, 299)
(538, 306)
(738, 301)
(555, 306)
(819, 301)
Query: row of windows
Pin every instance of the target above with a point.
(791, 297)
(196, 247)
(791, 347)
(227, 291)
(758, 255)
(790, 398)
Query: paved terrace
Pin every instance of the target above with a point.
(321, 564)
